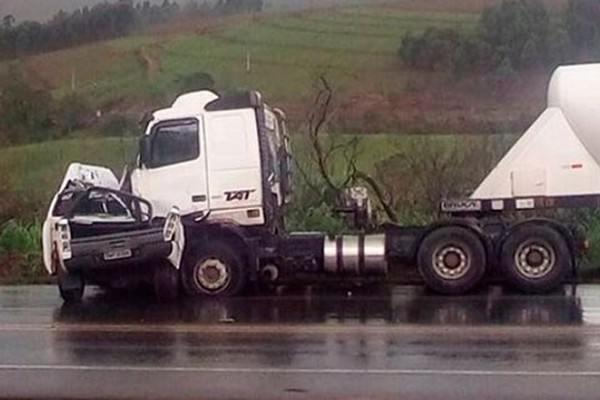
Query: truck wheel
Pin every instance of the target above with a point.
(451, 260)
(71, 287)
(166, 282)
(214, 270)
(535, 259)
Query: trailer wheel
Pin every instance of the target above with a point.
(71, 287)
(166, 282)
(451, 260)
(215, 270)
(535, 259)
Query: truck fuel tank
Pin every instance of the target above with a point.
(355, 255)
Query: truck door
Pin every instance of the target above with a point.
(173, 170)
(235, 184)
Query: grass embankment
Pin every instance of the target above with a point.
(282, 54)
(29, 177)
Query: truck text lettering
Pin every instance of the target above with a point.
(238, 195)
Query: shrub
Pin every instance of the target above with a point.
(194, 82)
(583, 23)
(72, 112)
(20, 253)
(518, 33)
(435, 49)
(118, 125)
(589, 220)
(26, 111)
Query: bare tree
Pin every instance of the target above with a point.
(323, 151)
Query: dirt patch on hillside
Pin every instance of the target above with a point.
(75, 66)
(437, 105)
(151, 60)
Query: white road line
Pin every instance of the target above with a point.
(447, 331)
(301, 371)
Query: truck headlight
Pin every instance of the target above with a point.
(171, 224)
(64, 239)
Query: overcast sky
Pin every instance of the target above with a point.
(43, 9)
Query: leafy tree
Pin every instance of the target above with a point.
(8, 21)
(514, 34)
(25, 111)
(104, 20)
(517, 30)
(445, 49)
(433, 50)
(72, 112)
(583, 23)
(194, 81)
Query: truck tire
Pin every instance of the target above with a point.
(452, 260)
(166, 282)
(535, 259)
(71, 287)
(214, 270)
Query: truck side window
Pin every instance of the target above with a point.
(174, 142)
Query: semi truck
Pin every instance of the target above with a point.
(203, 210)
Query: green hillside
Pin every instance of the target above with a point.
(355, 47)
(31, 174)
(283, 53)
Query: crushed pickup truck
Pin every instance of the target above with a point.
(97, 233)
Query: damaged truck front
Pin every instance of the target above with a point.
(97, 233)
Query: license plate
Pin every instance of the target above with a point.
(117, 254)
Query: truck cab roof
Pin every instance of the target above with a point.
(197, 103)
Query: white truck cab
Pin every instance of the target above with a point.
(215, 157)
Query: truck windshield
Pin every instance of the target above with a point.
(174, 142)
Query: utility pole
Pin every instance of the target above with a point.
(73, 81)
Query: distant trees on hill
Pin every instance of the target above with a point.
(512, 35)
(104, 21)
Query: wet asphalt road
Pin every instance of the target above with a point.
(391, 343)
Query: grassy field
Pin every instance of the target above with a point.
(286, 52)
(354, 47)
(283, 53)
(33, 172)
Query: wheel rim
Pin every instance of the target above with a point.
(212, 274)
(451, 262)
(535, 260)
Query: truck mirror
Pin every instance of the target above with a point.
(145, 149)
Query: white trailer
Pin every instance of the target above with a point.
(224, 163)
